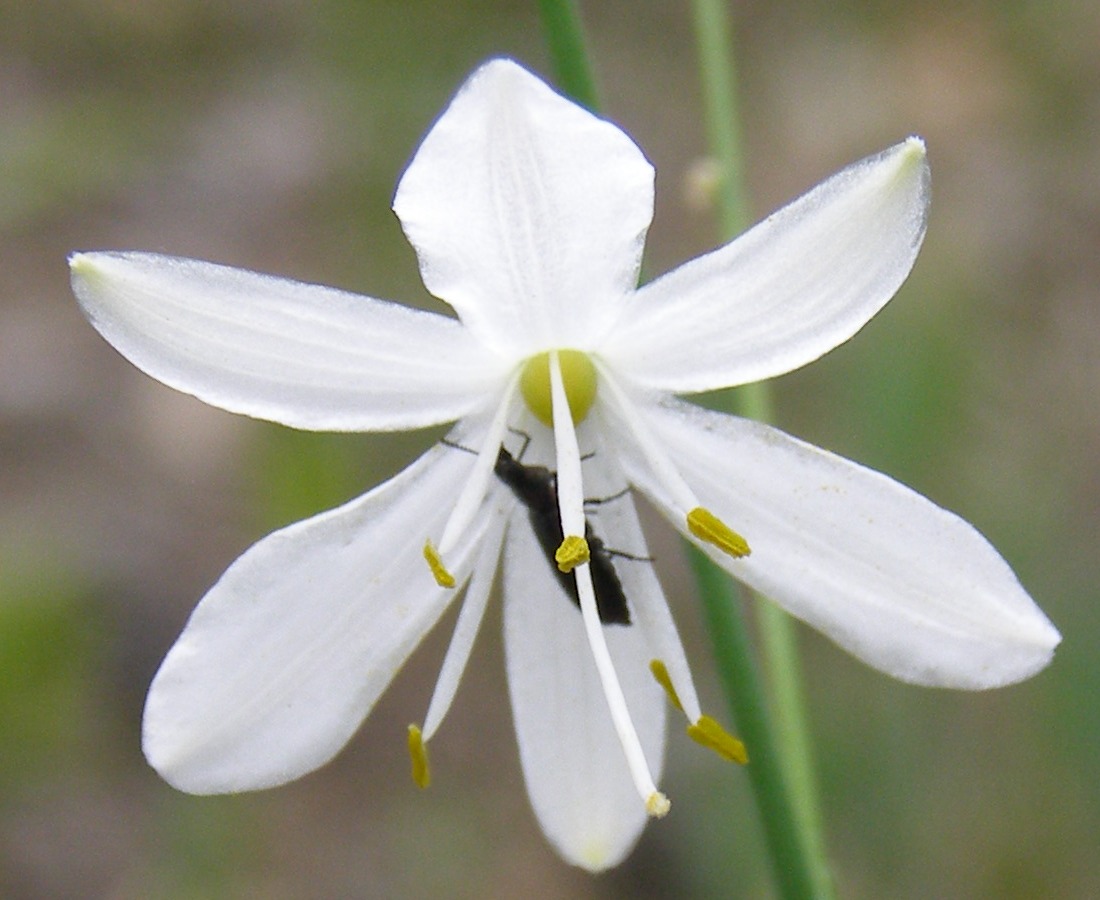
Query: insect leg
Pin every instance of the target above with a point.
(447, 442)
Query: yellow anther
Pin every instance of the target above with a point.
(660, 672)
(572, 552)
(714, 737)
(706, 526)
(578, 376)
(439, 571)
(657, 805)
(421, 773)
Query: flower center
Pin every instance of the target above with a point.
(578, 377)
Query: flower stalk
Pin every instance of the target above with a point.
(565, 41)
(794, 780)
(745, 693)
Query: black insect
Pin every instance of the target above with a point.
(536, 487)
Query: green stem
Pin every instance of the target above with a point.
(778, 633)
(561, 23)
(780, 651)
(721, 115)
(737, 672)
(792, 820)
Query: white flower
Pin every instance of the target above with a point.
(528, 215)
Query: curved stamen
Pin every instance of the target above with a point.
(466, 629)
(473, 492)
(702, 729)
(571, 508)
(458, 652)
(698, 521)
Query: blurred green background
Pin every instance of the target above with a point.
(270, 135)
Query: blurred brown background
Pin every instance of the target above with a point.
(270, 135)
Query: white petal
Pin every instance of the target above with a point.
(288, 652)
(300, 354)
(528, 213)
(794, 287)
(901, 583)
(573, 762)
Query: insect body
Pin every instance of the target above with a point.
(536, 487)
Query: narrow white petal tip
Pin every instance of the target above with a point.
(912, 154)
(914, 145)
(1046, 636)
(994, 653)
(83, 265)
(1015, 650)
(93, 263)
(1035, 652)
